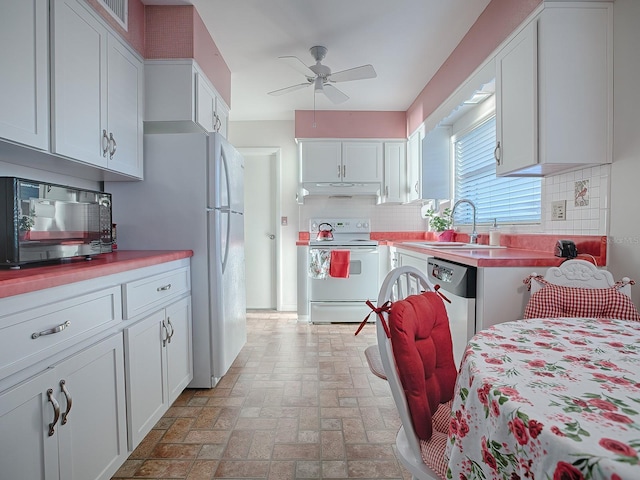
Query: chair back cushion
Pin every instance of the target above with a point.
(423, 352)
(553, 301)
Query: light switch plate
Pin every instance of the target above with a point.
(559, 210)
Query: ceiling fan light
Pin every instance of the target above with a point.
(317, 84)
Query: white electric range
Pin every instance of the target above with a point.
(343, 299)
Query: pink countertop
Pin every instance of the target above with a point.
(523, 250)
(32, 278)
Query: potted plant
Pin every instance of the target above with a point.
(441, 222)
(25, 224)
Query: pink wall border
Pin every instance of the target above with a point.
(349, 124)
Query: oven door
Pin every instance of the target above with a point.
(361, 285)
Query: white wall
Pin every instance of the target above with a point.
(279, 134)
(624, 245)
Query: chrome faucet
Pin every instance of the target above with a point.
(473, 237)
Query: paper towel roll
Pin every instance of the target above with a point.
(44, 210)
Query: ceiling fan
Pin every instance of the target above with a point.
(321, 77)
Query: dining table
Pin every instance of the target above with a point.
(552, 398)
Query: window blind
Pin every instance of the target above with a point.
(507, 199)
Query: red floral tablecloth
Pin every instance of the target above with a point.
(548, 399)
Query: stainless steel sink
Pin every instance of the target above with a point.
(452, 245)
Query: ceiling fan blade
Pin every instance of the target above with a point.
(298, 65)
(358, 73)
(292, 88)
(333, 94)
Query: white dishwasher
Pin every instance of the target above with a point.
(458, 283)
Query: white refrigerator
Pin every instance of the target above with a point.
(192, 198)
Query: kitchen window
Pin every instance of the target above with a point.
(506, 199)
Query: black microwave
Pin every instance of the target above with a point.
(46, 222)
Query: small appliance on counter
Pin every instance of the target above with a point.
(44, 222)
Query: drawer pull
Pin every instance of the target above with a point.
(56, 411)
(65, 415)
(163, 288)
(51, 331)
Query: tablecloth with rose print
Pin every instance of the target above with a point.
(548, 399)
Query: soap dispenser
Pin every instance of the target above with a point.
(494, 234)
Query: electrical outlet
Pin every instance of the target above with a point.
(559, 210)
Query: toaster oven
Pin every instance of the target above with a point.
(46, 222)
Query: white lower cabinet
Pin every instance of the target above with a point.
(68, 422)
(159, 365)
(81, 384)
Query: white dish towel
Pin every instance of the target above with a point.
(319, 262)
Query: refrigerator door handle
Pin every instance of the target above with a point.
(225, 255)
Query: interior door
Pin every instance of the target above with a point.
(260, 231)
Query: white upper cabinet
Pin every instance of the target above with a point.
(211, 112)
(125, 109)
(394, 190)
(436, 164)
(429, 165)
(320, 161)
(362, 161)
(554, 92)
(414, 167)
(330, 161)
(24, 96)
(97, 87)
(178, 91)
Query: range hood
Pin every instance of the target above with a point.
(340, 189)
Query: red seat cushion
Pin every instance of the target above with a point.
(423, 351)
(553, 301)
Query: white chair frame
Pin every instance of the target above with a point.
(580, 273)
(398, 284)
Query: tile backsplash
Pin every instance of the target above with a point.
(585, 192)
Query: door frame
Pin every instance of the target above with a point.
(276, 153)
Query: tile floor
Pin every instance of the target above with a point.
(299, 402)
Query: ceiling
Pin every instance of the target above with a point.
(406, 41)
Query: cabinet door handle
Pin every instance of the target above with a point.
(56, 411)
(65, 415)
(496, 153)
(164, 288)
(165, 336)
(51, 331)
(386, 191)
(339, 170)
(172, 330)
(416, 187)
(344, 171)
(105, 143)
(112, 151)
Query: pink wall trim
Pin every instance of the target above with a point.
(169, 31)
(210, 59)
(350, 124)
(177, 31)
(134, 35)
(494, 25)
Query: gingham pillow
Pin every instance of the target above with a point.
(559, 301)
